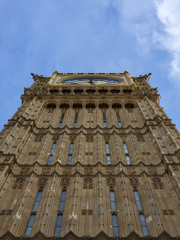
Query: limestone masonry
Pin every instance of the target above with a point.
(90, 156)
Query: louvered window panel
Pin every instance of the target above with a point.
(143, 225)
(53, 147)
(115, 225)
(104, 120)
(58, 225)
(138, 201)
(50, 159)
(30, 225)
(125, 148)
(71, 148)
(112, 199)
(62, 117)
(60, 216)
(69, 159)
(141, 216)
(119, 120)
(107, 147)
(119, 124)
(118, 117)
(75, 120)
(128, 160)
(62, 201)
(108, 158)
(37, 201)
(76, 117)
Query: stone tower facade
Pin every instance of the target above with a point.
(90, 156)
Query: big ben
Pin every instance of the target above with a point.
(90, 156)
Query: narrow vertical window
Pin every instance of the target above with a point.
(104, 120)
(32, 217)
(61, 120)
(69, 159)
(143, 224)
(71, 148)
(70, 153)
(115, 225)
(30, 225)
(37, 201)
(62, 201)
(60, 216)
(49, 159)
(53, 147)
(75, 120)
(119, 120)
(107, 147)
(125, 148)
(51, 156)
(112, 199)
(128, 160)
(141, 215)
(114, 216)
(108, 157)
(58, 225)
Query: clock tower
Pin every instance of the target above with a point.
(90, 156)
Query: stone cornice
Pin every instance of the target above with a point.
(165, 164)
(101, 235)
(92, 131)
(90, 175)
(139, 92)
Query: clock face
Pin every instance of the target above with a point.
(90, 81)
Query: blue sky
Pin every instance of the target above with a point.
(41, 36)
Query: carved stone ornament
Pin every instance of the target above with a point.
(89, 138)
(67, 170)
(149, 237)
(2, 212)
(5, 212)
(175, 168)
(88, 170)
(18, 183)
(45, 171)
(106, 137)
(111, 182)
(23, 237)
(86, 237)
(7, 158)
(72, 137)
(117, 237)
(56, 137)
(157, 183)
(24, 170)
(171, 212)
(42, 181)
(110, 171)
(55, 237)
(50, 110)
(133, 181)
(87, 212)
(88, 183)
(65, 181)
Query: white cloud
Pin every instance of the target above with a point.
(154, 25)
(169, 38)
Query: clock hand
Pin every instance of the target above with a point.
(91, 81)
